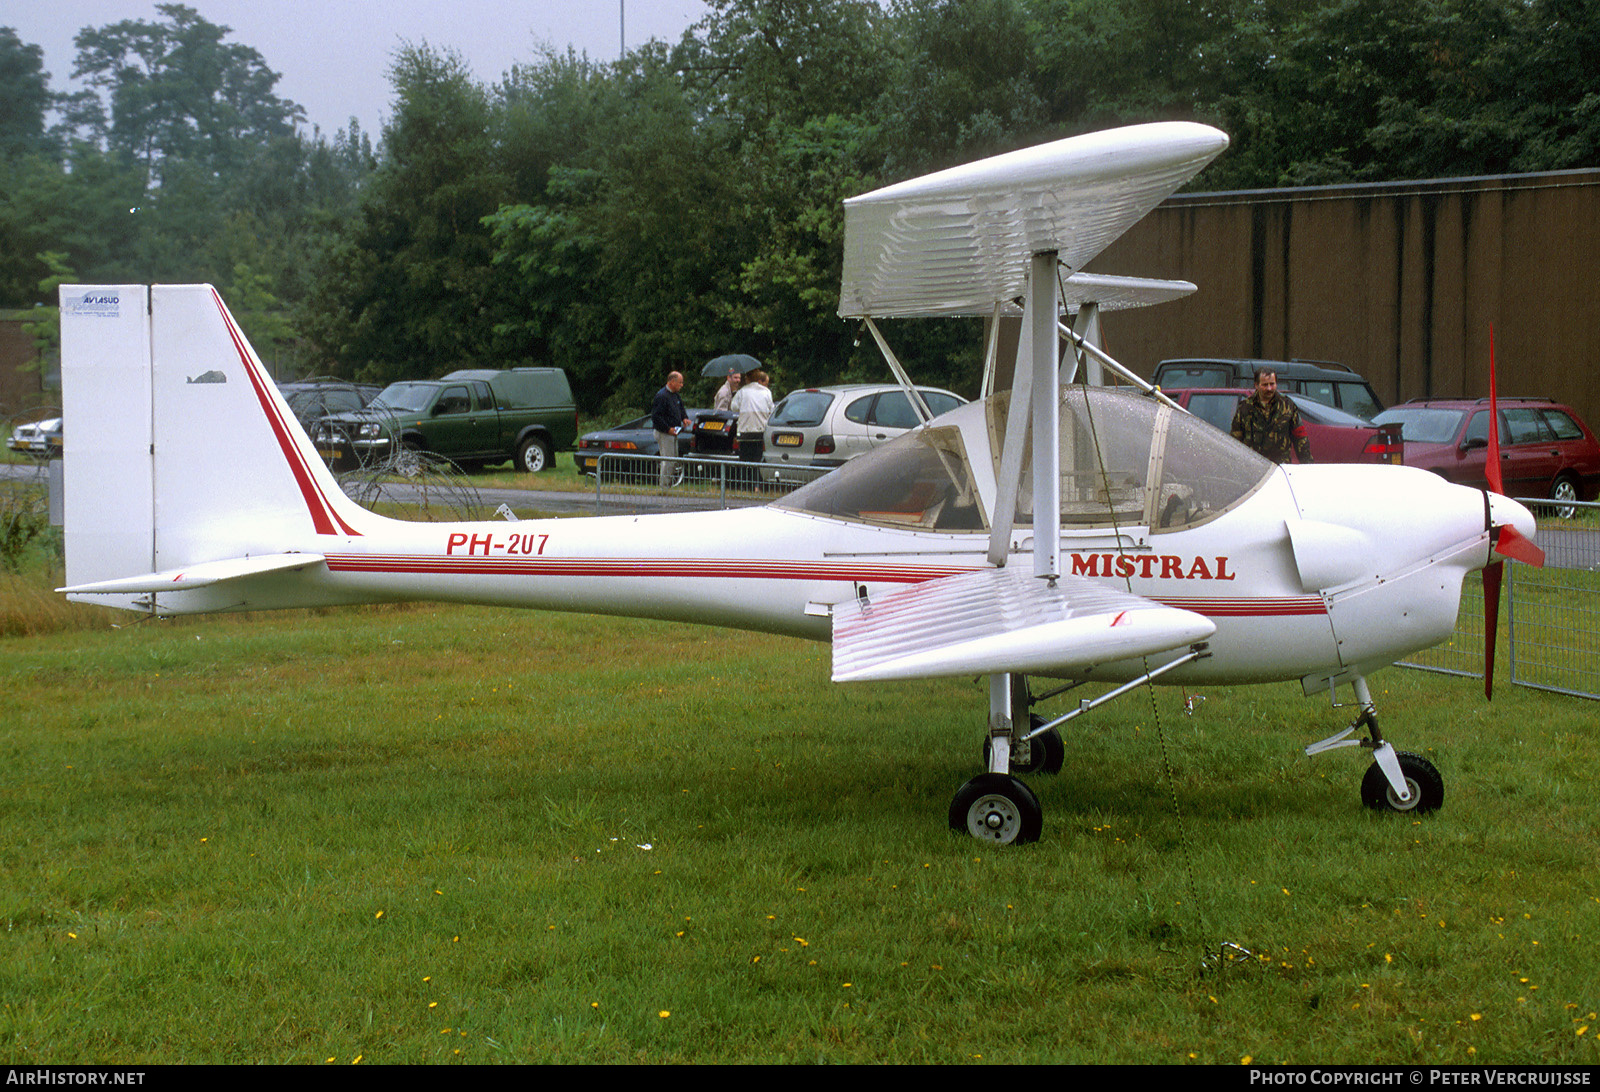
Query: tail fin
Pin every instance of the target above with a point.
(179, 451)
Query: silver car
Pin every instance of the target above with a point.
(41, 439)
(828, 426)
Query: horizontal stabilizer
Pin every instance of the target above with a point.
(197, 576)
(1003, 620)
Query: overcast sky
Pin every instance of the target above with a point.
(334, 55)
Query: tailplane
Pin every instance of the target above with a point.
(183, 464)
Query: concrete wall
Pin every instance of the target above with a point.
(1401, 281)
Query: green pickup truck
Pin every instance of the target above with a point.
(474, 418)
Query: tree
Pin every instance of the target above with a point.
(24, 98)
(178, 91)
(965, 84)
(408, 289)
(756, 62)
(45, 327)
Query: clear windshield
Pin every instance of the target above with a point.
(1129, 460)
(405, 397)
(922, 479)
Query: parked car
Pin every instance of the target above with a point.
(41, 438)
(638, 437)
(1545, 448)
(1323, 380)
(1335, 436)
(473, 417)
(312, 399)
(827, 426)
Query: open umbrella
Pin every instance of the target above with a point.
(732, 362)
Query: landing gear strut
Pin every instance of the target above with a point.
(997, 807)
(1396, 780)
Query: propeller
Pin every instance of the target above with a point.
(1504, 540)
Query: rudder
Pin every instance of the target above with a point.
(178, 448)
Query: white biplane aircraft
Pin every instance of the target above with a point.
(1074, 532)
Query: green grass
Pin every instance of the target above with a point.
(414, 835)
(563, 477)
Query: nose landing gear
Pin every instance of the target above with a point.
(1396, 780)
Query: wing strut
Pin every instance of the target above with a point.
(918, 406)
(1095, 352)
(1040, 321)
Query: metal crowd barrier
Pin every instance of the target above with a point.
(627, 484)
(1550, 636)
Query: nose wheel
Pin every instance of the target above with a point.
(997, 808)
(1424, 786)
(1391, 771)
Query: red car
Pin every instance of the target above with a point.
(1545, 448)
(1336, 436)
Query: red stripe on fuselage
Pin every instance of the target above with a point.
(324, 518)
(1262, 607)
(707, 568)
(726, 568)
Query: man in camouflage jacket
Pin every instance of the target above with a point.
(1269, 424)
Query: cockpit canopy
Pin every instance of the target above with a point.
(1126, 460)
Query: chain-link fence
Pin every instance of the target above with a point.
(1549, 636)
(635, 484)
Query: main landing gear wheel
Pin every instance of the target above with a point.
(1048, 752)
(1423, 782)
(997, 808)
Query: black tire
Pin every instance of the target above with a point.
(1046, 752)
(997, 808)
(534, 455)
(1422, 779)
(1564, 490)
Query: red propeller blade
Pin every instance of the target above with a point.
(1491, 466)
(1512, 543)
(1492, 573)
(1491, 622)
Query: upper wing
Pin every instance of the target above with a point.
(1003, 620)
(957, 241)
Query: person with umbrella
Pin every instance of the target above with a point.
(723, 400)
(733, 367)
(753, 404)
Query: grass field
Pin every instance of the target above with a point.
(438, 834)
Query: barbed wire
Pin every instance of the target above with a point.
(438, 488)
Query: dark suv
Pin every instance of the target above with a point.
(1545, 448)
(313, 399)
(1329, 383)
